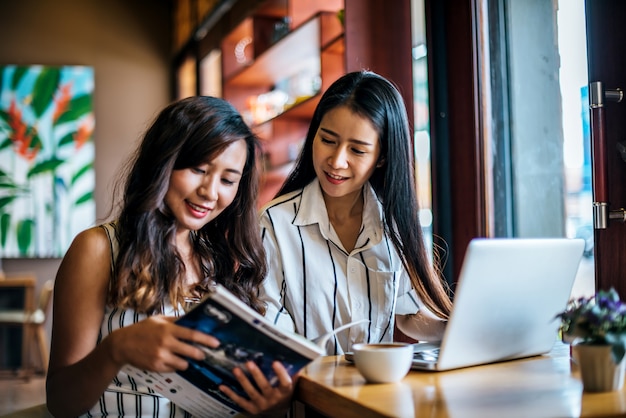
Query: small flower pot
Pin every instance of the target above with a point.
(598, 371)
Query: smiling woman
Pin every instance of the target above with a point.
(187, 209)
(197, 195)
(343, 240)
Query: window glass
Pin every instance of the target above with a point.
(538, 123)
(421, 134)
(576, 135)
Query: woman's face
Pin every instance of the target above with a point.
(197, 195)
(346, 152)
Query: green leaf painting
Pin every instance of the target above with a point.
(46, 158)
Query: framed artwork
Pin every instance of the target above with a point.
(47, 152)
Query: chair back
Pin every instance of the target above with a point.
(45, 297)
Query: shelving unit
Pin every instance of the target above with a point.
(362, 40)
(275, 66)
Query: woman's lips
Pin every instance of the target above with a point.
(197, 210)
(335, 179)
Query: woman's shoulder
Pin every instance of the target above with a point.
(98, 238)
(90, 251)
(91, 238)
(281, 203)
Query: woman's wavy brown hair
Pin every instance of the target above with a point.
(149, 269)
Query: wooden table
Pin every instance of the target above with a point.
(541, 386)
(22, 285)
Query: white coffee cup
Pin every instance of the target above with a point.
(383, 362)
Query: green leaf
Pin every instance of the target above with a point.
(78, 106)
(44, 166)
(25, 230)
(18, 75)
(618, 353)
(5, 223)
(618, 345)
(84, 169)
(4, 116)
(43, 91)
(8, 185)
(5, 144)
(84, 198)
(36, 141)
(6, 200)
(67, 139)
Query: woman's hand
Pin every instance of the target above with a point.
(266, 399)
(158, 344)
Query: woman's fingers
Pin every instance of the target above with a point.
(259, 378)
(263, 397)
(284, 380)
(239, 400)
(160, 345)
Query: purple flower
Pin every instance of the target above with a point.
(600, 319)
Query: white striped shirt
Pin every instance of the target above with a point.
(314, 285)
(124, 397)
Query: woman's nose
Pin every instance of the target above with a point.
(338, 159)
(209, 189)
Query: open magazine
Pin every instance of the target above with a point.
(244, 335)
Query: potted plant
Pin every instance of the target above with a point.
(596, 328)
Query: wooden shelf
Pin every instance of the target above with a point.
(302, 110)
(312, 52)
(296, 52)
(336, 45)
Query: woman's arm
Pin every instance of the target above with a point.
(423, 325)
(413, 318)
(80, 370)
(75, 382)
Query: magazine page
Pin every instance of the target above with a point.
(209, 403)
(244, 335)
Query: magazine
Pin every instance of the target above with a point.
(244, 335)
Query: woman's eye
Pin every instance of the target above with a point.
(327, 141)
(358, 151)
(198, 170)
(228, 182)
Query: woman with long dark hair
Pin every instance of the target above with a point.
(185, 220)
(343, 238)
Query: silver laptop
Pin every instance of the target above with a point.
(507, 296)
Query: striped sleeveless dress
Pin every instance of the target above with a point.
(125, 397)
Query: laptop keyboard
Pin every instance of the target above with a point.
(427, 355)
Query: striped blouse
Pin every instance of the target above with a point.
(125, 397)
(314, 285)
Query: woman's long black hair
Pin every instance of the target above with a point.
(371, 96)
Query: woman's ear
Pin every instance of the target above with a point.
(381, 162)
